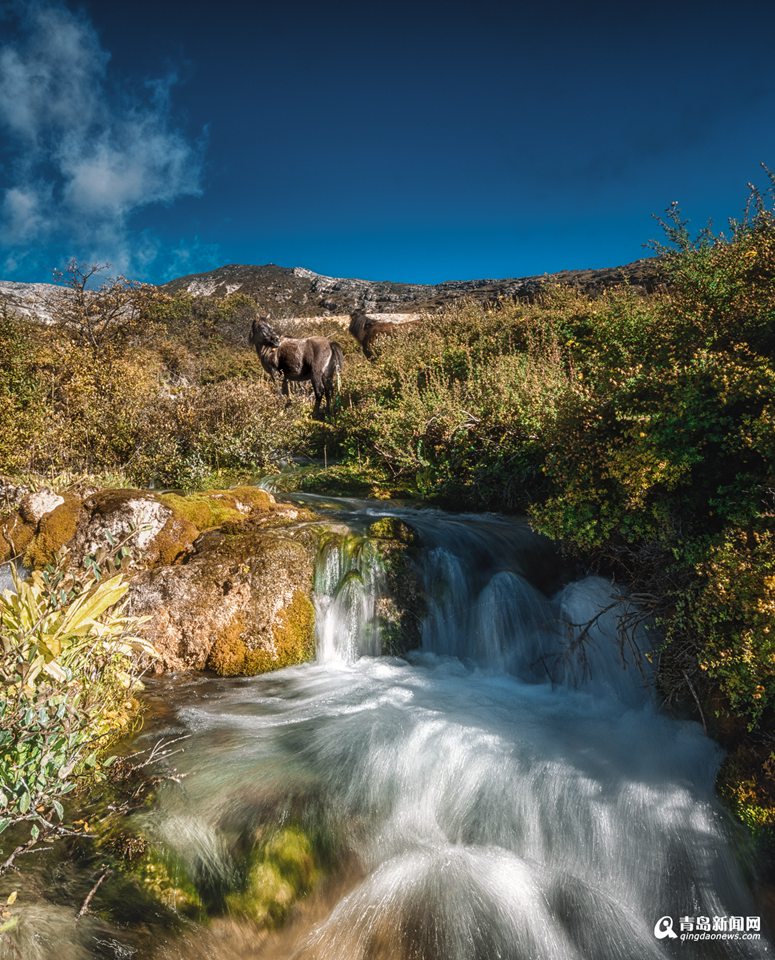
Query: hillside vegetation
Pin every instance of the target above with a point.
(637, 429)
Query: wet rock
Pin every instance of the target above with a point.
(402, 608)
(282, 870)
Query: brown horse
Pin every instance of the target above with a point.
(367, 327)
(317, 359)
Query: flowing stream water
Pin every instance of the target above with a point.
(508, 791)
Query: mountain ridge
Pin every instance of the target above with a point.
(285, 292)
(297, 291)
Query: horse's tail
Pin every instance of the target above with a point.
(336, 363)
(337, 356)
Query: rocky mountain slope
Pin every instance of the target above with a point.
(296, 292)
(287, 292)
(37, 301)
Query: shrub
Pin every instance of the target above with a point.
(68, 671)
(156, 407)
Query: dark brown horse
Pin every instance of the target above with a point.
(367, 327)
(317, 359)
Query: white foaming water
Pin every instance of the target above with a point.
(508, 792)
(348, 580)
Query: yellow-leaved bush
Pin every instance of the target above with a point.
(69, 667)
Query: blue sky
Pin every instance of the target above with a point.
(406, 141)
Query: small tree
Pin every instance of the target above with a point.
(96, 315)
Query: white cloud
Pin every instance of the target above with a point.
(23, 215)
(82, 160)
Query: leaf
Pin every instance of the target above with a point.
(85, 610)
(55, 671)
(12, 898)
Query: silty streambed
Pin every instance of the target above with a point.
(508, 791)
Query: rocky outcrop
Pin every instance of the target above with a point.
(36, 301)
(223, 579)
(297, 292)
(240, 605)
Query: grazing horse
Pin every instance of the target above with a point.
(366, 327)
(317, 359)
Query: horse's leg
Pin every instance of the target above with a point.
(328, 386)
(318, 389)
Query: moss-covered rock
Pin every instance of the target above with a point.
(239, 605)
(15, 537)
(392, 528)
(214, 508)
(55, 530)
(152, 532)
(164, 879)
(281, 871)
(40, 525)
(293, 641)
(224, 577)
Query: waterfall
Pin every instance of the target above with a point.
(508, 791)
(349, 579)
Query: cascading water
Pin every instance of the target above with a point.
(508, 791)
(349, 578)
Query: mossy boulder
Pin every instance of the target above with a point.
(281, 871)
(40, 525)
(152, 532)
(15, 536)
(163, 878)
(222, 576)
(214, 508)
(155, 529)
(293, 641)
(55, 529)
(239, 605)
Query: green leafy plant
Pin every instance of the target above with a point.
(68, 666)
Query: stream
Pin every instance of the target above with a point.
(507, 791)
